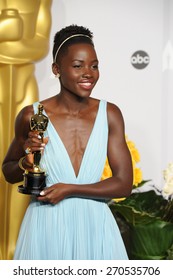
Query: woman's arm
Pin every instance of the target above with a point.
(10, 167)
(119, 185)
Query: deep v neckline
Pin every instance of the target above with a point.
(86, 148)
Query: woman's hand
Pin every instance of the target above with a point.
(33, 143)
(55, 193)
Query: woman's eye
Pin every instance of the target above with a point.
(95, 66)
(77, 66)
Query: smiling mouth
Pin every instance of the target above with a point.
(86, 85)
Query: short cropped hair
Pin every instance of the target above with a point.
(65, 33)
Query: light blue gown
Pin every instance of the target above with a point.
(76, 228)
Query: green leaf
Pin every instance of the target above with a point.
(141, 207)
(141, 184)
(151, 241)
(151, 237)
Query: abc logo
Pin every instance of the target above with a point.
(140, 59)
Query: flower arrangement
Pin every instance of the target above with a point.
(146, 215)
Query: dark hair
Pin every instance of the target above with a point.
(68, 31)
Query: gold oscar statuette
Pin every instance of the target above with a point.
(35, 178)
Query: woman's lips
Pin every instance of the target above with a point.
(86, 85)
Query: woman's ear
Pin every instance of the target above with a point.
(55, 70)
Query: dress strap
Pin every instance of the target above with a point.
(35, 106)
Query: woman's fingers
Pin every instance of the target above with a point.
(34, 142)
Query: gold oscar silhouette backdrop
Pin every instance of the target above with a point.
(24, 39)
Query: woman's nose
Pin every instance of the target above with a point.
(87, 72)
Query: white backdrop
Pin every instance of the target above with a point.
(122, 27)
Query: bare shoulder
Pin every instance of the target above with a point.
(25, 113)
(115, 117)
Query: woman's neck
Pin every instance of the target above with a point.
(72, 103)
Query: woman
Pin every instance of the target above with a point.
(70, 219)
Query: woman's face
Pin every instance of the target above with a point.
(78, 70)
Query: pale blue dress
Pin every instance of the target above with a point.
(76, 228)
